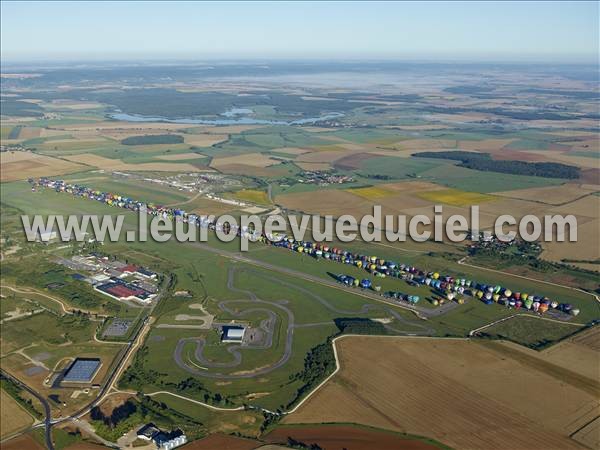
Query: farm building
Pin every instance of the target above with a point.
(163, 440)
(82, 370)
(232, 333)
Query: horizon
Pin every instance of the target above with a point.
(489, 32)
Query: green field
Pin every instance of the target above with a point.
(483, 182)
(532, 332)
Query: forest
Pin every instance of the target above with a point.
(484, 162)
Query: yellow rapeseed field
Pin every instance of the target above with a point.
(455, 197)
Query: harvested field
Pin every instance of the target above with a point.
(552, 195)
(204, 140)
(590, 176)
(456, 197)
(22, 165)
(326, 201)
(248, 159)
(85, 446)
(589, 435)
(566, 158)
(180, 156)
(23, 442)
(222, 442)
(292, 150)
(353, 161)
(484, 145)
(371, 192)
(507, 154)
(13, 417)
(584, 207)
(339, 437)
(253, 171)
(29, 132)
(116, 164)
(462, 393)
(313, 166)
(326, 156)
(426, 144)
(251, 195)
(589, 145)
(587, 247)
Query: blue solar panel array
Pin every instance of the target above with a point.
(82, 370)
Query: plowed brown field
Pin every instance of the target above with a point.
(339, 437)
(459, 392)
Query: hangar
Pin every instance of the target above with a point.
(82, 370)
(234, 333)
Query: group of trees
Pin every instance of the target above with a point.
(193, 385)
(15, 391)
(484, 162)
(137, 376)
(318, 363)
(358, 325)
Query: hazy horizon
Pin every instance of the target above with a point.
(495, 32)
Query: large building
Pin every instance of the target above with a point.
(233, 333)
(82, 370)
(163, 440)
(123, 290)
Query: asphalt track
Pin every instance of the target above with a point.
(204, 365)
(420, 310)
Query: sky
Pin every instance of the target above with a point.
(440, 31)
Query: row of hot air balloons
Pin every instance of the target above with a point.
(452, 288)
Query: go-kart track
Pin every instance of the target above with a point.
(201, 366)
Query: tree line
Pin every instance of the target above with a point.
(484, 162)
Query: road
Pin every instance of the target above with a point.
(45, 404)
